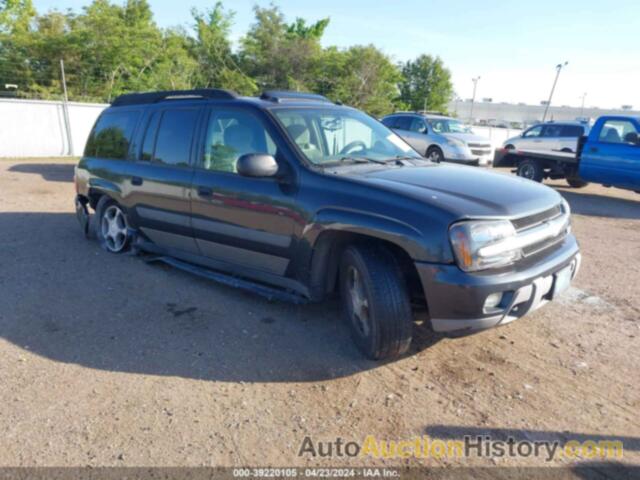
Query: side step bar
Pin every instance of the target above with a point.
(269, 293)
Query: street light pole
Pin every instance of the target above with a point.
(584, 95)
(473, 98)
(553, 87)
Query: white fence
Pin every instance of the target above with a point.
(36, 128)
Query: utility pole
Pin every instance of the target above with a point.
(473, 98)
(584, 95)
(65, 109)
(553, 87)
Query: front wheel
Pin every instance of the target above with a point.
(576, 182)
(435, 154)
(375, 301)
(113, 228)
(531, 169)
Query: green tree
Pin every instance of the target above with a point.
(281, 55)
(361, 76)
(218, 65)
(426, 80)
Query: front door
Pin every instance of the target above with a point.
(245, 222)
(614, 159)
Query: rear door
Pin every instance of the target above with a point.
(241, 221)
(613, 156)
(551, 136)
(403, 127)
(162, 184)
(569, 137)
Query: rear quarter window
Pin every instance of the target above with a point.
(572, 131)
(111, 135)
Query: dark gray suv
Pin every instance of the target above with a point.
(294, 197)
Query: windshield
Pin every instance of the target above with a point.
(446, 125)
(329, 135)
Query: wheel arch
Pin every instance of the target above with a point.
(327, 240)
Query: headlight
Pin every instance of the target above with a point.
(482, 244)
(454, 142)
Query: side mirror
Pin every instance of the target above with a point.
(257, 165)
(632, 137)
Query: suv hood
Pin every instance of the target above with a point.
(467, 137)
(466, 192)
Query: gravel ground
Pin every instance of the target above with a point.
(108, 360)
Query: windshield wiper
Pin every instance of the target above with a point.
(362, 160)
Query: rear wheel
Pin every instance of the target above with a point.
(531, 169)
(576, 182)
(435, 154)
(375, 301)
(113, 228)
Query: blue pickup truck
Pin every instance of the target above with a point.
(609, 155)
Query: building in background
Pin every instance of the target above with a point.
(521, 115)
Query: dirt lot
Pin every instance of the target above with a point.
(108, 360)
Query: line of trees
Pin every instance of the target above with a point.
(111, 48)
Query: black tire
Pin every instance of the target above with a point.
(576, 182)
(530, 169)
(110, 214)
(509, 147)
(435, 154)
(384, 331)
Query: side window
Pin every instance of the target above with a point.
(403, 123)
(572, 131)
(618, 131)
(150, 137)
(552, 131)
(533, 132)
(232, 133)
(389, 122)
(418, 125)
(111, 135)
(175, 132)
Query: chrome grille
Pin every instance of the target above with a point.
(536, 219)
(542, 230)
(481, 153)
(479, 145)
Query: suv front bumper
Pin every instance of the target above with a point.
(456, 299)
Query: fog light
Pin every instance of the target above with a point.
(493, 300)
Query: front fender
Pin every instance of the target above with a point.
(385, 228)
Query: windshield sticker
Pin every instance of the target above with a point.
(397, 141)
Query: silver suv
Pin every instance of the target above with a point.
(441, 138)
(561, 137)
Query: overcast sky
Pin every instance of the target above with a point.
(513, 45)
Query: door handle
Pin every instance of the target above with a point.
(136, 181)
(205, 191)
(593, 149)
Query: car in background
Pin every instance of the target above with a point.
(441, 138)
(554, 136)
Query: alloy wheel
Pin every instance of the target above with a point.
(114, 228)
(358, 301)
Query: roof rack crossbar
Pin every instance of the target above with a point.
(279, 96)
(152, 97)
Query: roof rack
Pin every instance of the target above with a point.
(152, 97)
(279, 96)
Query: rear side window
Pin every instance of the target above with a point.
(111, 136)
(404, 123)
(572, 131)
(389, 122)
(552, 131)
(175, 133)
